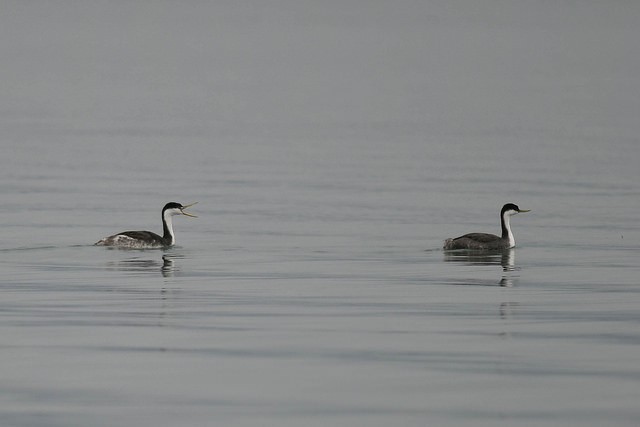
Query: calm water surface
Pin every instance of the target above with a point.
(312, 289)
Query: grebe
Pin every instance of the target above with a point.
(147, 239)
(484, 241)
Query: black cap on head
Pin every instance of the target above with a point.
(172, 205)
(510, 207)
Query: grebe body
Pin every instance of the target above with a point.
(147, 239)
(486, 241)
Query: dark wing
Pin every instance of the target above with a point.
(146, 236)
(473, 241)
(132, 239)
(479, 237)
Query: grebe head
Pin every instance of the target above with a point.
(510, 209)
(174, 208)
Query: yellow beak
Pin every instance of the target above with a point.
(187, 213)
(524, 210)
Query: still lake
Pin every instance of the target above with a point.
(296, 299)
(312, 289)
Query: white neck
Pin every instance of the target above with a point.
(507, 224)
(169, 222)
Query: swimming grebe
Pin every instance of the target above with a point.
(147, 239)
(485, 241)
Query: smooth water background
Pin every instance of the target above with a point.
(332, 146)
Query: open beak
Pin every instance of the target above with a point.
(524, 210)
(187, 213)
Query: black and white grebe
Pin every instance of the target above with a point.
(485, 241)
(147, 239)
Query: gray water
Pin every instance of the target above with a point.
(332, 146)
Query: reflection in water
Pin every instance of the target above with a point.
(167, 267)
(507, 308)
(505, 258)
